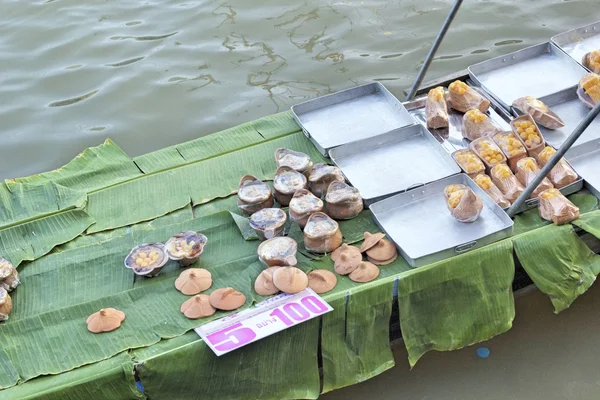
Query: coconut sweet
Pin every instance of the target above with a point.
(263, 285)
(278, 251)
(294, 159)
(186, 247)
(321, 280)
(227, 299)
(322, 234)
(343, 201)
(197, 306)
(365, 272)
(290, 279)
(193, 281)
(321, 176)
(9, 277)
(302, 205)
(5, 304)
(268, 222)
(286, 182)
(540, 112)
(147, 259)
(253, 195)
(105, 320)
(370, 240)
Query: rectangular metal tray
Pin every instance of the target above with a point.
(350, 115)
(421, 225)
(577, 42)
(585, 159)
(451, 138)
(534, 71)
(572, 111)
(393, 162)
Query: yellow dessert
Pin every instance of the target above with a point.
(484, 181)
(502, 171)
(528, 132)
(455, 198)
(489, 152)
(450, 189)
(550, 194)
(144, 259)
(591, 85)
(469, 161)
(546, 154)
(529, 165)
(533, 102)
(510, 144)
(458, 87)
(476, 116)
(437, 94)
(594, 60)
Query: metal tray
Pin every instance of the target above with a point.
(451, 138)
(577, 42)
(395, 161)
(350, 115)
(585, 159)
(424, 231)
(534, 71)
(566, 190)
(572, 111)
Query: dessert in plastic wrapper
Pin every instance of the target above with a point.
(485, 183)
(253, 195)
(268, 222)
(322, 234)
(511, 146)
(297, 160)
(591, 61)
(278, 251)
(557, 208)
(343, 201)
(302, 205)
(588, 89)
(463, 203)
(286, 182)
(562, 174)
(321, 176)
(436, 110)
(507, 182)
(528, 133)
(488, 151)
(527, 170)
(463, 98)
(469, 162)
(476, 125)
(540, 112)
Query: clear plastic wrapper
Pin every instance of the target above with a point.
(463, 98)
(476, 125)
(527, 170)
(343, 201)
(540, 112)
(507, 182)
(299, 161)
(322, 234)
(469, 162)
(562, 174)
(528, 133)
(557, 208)
(588, 89)
(463, 203)
(278, 252)
(511, 146)
(436, 110)
(485, 182)
(488, 151)
(321, 176)
(268, 222)
(286, 182)
(253, 195)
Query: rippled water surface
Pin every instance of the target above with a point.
(151, 74)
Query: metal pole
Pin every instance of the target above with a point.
(432, 51)
(555, 159)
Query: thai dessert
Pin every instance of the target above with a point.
(147, 259)
(268, 222)
(463, 98)
(463, 203)
(557, 208)
(5, 304)
(294, 159)
(476, 124)
(105, 320)
(263, 285)
(302, 205)
(528, 132)
(321, 280)
(540, 112)
(383, 253)
(507, 182)
(485, 182)
(321, 176)
(562, 174)
(366, 272)
(588, 90)
(279, 251)
(286, 182)
(197, 307)
(348, 260)
(591, 61)
(469, 162)
(488, 151)
(343, 201)
(253, 195)
(9, 277)
(186, 247)
(322, 234)
(227, 299)
(436, 110)
(193, 281)
(290, 279)
(527, 170)
(511, 146)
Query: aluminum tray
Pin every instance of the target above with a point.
(572, 111)
(393, 162)
(419, 222)
(451, 138)
(350, 115)
(534, 71)
(577, 42)
(585, 159)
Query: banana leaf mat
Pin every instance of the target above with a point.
(68, 230)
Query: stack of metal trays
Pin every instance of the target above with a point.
(421, 225)
(393, 162)
(536, 71)
(452, 138)
(577, 42)
(350, 115)
(585, 159)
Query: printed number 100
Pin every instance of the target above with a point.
(299, 311)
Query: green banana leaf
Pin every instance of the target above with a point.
(558, 262)
(105, 380)
(590, 223)
(457, 302)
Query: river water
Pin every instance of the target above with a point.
(150, 74)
